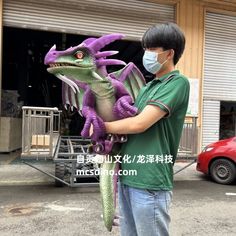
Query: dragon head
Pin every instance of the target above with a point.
(76, 64)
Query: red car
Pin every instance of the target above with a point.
(219, 161)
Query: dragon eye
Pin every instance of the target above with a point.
(79, 55)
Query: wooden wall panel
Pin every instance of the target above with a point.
(190, 17)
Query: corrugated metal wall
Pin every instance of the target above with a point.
(220, 57)
(1, 7)
(211, 122)
(90, 17)
(219, 82)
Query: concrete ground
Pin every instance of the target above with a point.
(31, 205)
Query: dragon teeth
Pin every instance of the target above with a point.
(60, 64)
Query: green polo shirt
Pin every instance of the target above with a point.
(152, 154)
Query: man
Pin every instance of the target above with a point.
(153, 136)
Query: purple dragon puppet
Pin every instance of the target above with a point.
(99, 97)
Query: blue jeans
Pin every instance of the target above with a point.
(143, 212)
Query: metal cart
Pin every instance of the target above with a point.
(41, 140)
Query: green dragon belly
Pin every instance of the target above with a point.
(104, 107)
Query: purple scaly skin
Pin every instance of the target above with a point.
(99, 97)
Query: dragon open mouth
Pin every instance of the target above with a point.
(61, 64)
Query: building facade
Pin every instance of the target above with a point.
(209, 58)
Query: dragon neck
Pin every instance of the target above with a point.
(101, 86)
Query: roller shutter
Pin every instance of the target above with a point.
(219, 82)
(90, 17)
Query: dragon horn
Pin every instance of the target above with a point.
(108, 62)
(88, 41)
(105, 54)
(53, 48)
(103, 41)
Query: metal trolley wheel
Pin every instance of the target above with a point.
(223, 171)
(59, 173)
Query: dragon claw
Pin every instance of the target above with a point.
(123, 107)
(123, 139)
(93, 119)
(116, 217)
(98, 148)
(115, 223)
(104, 146)
(111, 137)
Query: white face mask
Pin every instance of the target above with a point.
(151, 63)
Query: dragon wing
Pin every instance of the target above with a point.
(131, 77)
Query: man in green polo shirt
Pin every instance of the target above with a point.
(153, 136)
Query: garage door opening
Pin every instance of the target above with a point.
(25, 74)
(227, 119)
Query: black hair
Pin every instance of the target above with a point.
(166, 36)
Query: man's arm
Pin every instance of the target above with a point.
(137, 124)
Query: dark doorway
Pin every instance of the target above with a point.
(227, 119)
